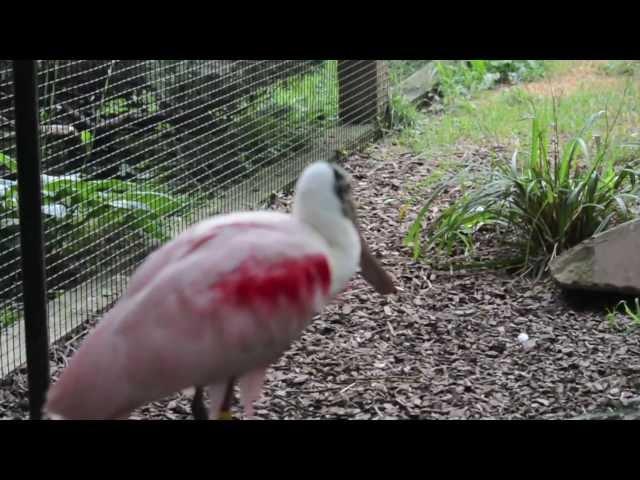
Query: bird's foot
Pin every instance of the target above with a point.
(198, 408)
(225, 415)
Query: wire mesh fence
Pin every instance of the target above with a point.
(135, 151)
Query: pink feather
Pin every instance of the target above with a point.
(224, 299)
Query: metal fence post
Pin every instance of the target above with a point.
(31, 232)
(357, 91)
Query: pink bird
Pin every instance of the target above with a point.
(220, 303)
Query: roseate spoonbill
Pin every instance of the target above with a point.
(220, 303)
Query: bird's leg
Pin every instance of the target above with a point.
(225, 409)
(198, 408)
(250, 385)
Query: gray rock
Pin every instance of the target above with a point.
(607, 262)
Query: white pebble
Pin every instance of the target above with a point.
(523, 337)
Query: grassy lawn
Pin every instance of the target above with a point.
(502, 116)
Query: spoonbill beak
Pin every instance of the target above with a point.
(372, 271)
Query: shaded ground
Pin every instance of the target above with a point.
(444, 347)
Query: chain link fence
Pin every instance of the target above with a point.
(135, 151)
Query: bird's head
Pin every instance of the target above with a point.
(323, 199)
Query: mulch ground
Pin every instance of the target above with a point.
(444, 347)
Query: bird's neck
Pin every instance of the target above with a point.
(343, 242)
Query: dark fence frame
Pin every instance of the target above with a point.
(350, 108)
(31, 232)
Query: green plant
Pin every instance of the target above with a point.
(454, 225)
(633, 314)
(310, 98)
(549, 201)
(282, 118)
(8, 316)
(402, 113)
(135, 206)
(456, 79)
(463, 78)
(7, 162)
(516, 71)
(612, 318)
(86, 137)
(110, 203)
(115, 106)
(76, 212)
(516, 96)
(150, 102)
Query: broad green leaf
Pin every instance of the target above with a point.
(86, 137)
(7, 162)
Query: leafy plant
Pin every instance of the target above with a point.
(7, 162)
(463, 78)
(136, 206)
(612, 318)
(86, 137)
(115, 106)
(284, 116)
(150, 101)
(8, 316)
(403, 114)
(308, 99)
(633, 314)
(549, 201)
(516, 71)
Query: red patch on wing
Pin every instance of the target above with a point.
(259, 281)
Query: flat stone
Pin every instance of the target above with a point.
(607, 262)
(419, 83)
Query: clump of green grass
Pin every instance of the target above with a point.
(549, 199)
(632, 313)
(402, 113)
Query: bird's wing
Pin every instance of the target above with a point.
(192, 239)
(225, 304)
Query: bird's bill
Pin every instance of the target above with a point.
(373, 272)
